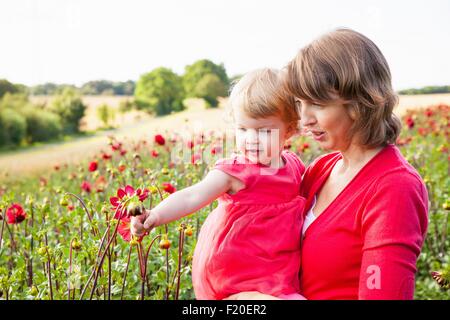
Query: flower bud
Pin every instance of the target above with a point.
(63, 202)
(189, 231)
(135, 209)
(164, 244)
(42, 251)
(34, 291)
(134, 241)
(76, 245)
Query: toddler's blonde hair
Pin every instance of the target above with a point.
(260, 94)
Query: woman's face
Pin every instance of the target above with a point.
(329, 125)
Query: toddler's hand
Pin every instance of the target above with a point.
(143, 223)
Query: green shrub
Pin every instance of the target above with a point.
(106, 114)
(70, 108)
(13, 127)
(42, 125)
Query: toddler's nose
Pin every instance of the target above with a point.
(252, 137)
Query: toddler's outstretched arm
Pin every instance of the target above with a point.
(183, 202)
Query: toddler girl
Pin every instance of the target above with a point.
(251, 241)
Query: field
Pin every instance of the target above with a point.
(136, 125)
(62, 235)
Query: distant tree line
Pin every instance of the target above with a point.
(427, 90)
(160, 92)
(23, 123)
(97, 87)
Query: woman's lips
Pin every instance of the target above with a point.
(317, 135)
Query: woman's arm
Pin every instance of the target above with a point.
(394, 223)
(183, 202)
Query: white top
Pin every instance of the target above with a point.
(309, 218)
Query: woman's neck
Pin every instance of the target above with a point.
(354, 157)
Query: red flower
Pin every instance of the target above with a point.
(428, 112)
(116, 146)
(86, 186)
(410, 122)
(155, 154)
(122, 168)
(106, 156)
(169, 187)
(15, 214)
(159, 139)
(93, 166)
(303, 147)
(125, 197)
(123, 152)
(190, 144)
(422, 131)
(124, 229)
(70, 207)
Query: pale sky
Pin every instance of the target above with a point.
(75, 41)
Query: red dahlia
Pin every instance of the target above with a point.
(15, 214)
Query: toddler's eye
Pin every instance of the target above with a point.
(264, 130)
(241, 129)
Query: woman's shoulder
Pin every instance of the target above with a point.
(320, 165)
(395, 169)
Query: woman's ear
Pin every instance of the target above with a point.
(352, 112)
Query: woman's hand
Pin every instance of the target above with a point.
(251, 295)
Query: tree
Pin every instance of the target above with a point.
(51, 88)
(209, 88)
(70, 108)
(106, 114)
(6, 86)
(106, 87)
(160, 91)
(196, 71)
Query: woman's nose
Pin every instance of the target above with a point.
(307, 118)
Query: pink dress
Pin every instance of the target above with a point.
(251, 241)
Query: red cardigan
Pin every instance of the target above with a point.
(366, 243)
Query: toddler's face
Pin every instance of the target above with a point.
(260, 140)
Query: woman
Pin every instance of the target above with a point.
(366, 209)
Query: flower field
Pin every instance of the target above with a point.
(66, 234)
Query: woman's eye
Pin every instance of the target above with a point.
(241, 129)
(264, 130)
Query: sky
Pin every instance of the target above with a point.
(75, 41)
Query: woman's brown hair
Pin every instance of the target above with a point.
(346, 67)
